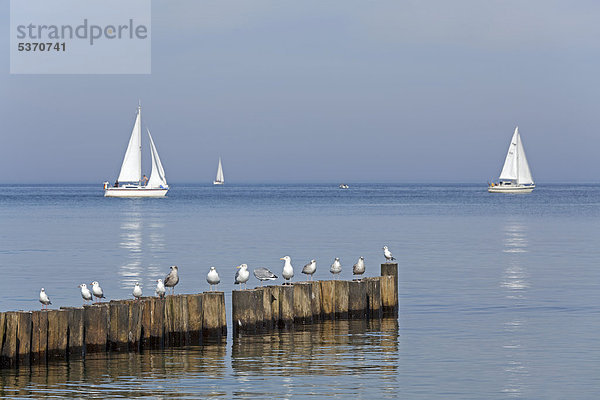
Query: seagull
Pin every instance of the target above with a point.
(263, 274)
(44, 299)
(212, 278)
(97, 291)
(310, 268)
(359, 267)
(336, 267)
(160, 288)
(387, 254)
(242, 275)
(288, 270)
(137, 291)
(85, 292)
(172, 279)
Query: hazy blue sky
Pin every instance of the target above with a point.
(314, 91)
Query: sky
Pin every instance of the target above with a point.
(325, 91)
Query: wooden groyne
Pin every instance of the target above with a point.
(119, 325)
(272, 307)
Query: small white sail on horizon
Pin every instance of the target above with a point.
(220, 178)
(129, 182)
(516, 175)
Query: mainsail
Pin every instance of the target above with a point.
(220, 177)
(515, 166)
(157, 176)
(131, 170)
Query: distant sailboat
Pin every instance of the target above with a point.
(516, 175)
(220, 179)
(129, 183)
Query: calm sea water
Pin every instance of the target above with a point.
(499, 294)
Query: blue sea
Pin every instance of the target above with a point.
(499, 294)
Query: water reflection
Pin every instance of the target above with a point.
(350, 359)
(515, 284)
(142, 238)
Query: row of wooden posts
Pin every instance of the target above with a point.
(151, 322)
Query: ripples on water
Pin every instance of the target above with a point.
(499, 294)
(349, 359)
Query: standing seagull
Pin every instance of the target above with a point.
(137, 291)
(288, 270)
(310, 268)
(97, 291)
(172, 279)
(160, 288)
(85, 292)
(212, 278)
(263, 274)
(336, 267)
(387, 254)
(44, 299)
(242, 275)
(359, 267)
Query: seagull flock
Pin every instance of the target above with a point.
(241, 278)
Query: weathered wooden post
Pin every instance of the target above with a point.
(286, 306)
(328, 299)
(75, 341)
(267, 308)
(315, 303)
(247, 308)
(134, 333)
(303, 303)
(58, 325)
(357, 299)
(119, 324)
(389, 288)
(96, 324)
(158, 324)
(39, 335)
(341, 299)
(194, 307)
(271, 295)
(24, 337)
(374, 296)
(214, 323)
(10, 347)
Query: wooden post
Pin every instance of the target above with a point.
(214, 323)
(96, 320)
(75, 340)
(9, 348)
(389, 289)
(315, 303)
(58, 325)
(357, 300)
(247, 310)
(194, 307)
(328, 299)
(119, 324)
(146, 334)
(302, 302)
(272, 295)
(341, 299)
(134, 334)
(268, 301)
(39, 335)
(158, 324)
(286, 306)
(374, 296)
(24, 337)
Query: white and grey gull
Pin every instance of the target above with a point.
(137, 291)
(172, 278)
(387, 254)
(359, 267)
(263, 274)
(97, 291)
(310, 268)
(212, 278)
(336, 267)
(44, 299)
(85, 292)
(288, 270)
(242, 275)
(160, 288)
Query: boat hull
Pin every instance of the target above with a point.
(510, 189)
(135, 192)
(218, 183)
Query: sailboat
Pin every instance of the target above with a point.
(516, 175)
(220, 179)
(130, 183)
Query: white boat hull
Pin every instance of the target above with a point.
(218, 183)
(134, 192)
(510, 189)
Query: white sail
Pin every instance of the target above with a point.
(157, 176)
(131, 169)
(524, 174)
(220, 177)
(510, 169)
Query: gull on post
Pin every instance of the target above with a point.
(172, 278)
(387, 254)
(242, 275)
(310, 268)
(263, 274)
(212, 278)
(137, 291)
(44, 299)
(288, 270)
(160, 288)
(85, 292)
(359, 267)
(336, 267)
(97, 291)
